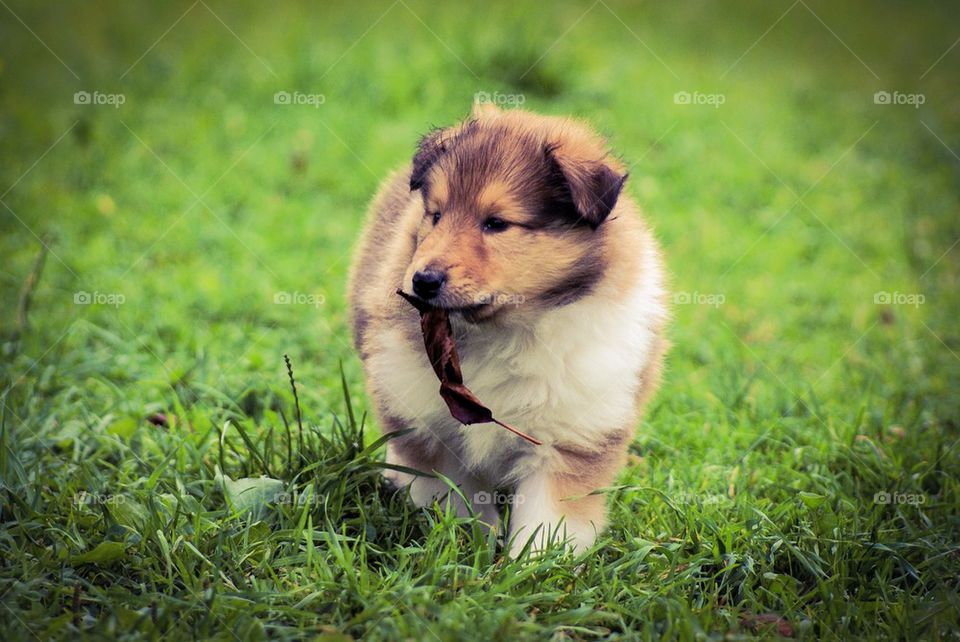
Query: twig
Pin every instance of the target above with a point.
(75, 606)
(535, 442)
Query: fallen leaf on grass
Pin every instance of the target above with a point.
(103, 553)
(764, 621)
(252, 494)
(158, 419)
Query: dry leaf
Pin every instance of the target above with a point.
(158, 419)
(763, 622)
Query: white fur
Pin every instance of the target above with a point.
(538, 510)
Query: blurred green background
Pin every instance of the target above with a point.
(810, 225)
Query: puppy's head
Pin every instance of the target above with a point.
(514, 206)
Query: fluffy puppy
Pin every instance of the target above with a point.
(516, 224)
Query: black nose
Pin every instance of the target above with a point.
(427, 284)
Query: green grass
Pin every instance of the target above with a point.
(750, 495)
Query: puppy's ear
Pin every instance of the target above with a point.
(429, 149)
(594, 184)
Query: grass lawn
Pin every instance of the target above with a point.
(796, 475)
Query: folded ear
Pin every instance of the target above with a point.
(429, 149)
(594, 183)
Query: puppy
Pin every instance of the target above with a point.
(517, 225)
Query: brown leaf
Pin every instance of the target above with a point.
(442, 353)
(463, 405)
(158, 419)
(761, 622)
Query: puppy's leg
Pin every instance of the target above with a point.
(539, 512)
(479, 496)
(420, 455)
(557, 499)
(429, 455)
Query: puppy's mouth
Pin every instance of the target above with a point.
(472, 313)
(475, 313)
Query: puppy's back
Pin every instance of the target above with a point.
(380, 255)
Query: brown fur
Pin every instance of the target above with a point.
(551, 182)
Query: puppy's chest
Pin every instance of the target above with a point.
(521, 375)
(558, 382)
(569, 379)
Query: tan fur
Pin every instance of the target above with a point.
(584, 471)
(513, 293)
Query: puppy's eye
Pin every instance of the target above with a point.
(494, 224)
(435, 217)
